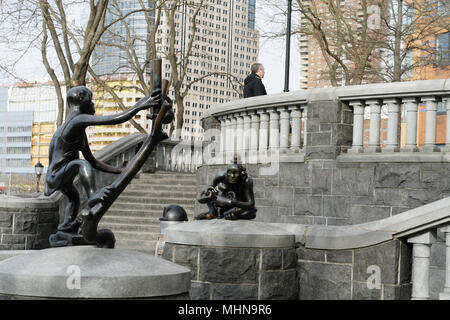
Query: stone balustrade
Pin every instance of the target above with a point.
(260, 129)
(178, 156)
(395, 99)
(287, 123)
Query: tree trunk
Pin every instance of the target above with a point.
(397, 76)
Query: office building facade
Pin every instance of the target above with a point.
(15, 142)
(40, 99)
(225, 45)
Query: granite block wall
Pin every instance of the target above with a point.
(27, 228)
(224, 273)
(380, 272)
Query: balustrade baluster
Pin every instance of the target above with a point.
(411, 105)
(296, 116)
(233, 129)
(393, 106)
(229, 136)
(421, 264)
(445, 295)
(284, 129)
(222, 134)
(358, 126)
(239, 134)
(263, 131)
(446, 102)
(375, 121)
(274, 139)
(254, 136)
(430, 124)
(246, 137)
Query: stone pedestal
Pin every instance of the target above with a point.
(234, 259)
(87, 272)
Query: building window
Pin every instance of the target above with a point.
(442, 49)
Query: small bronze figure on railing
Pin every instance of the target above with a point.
(230, 195)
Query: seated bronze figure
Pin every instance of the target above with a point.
(230, 195)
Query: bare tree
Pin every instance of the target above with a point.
(346, 36)
(166, 39)
(410, 27)
(370, 40)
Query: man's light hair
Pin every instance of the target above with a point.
(256, 67)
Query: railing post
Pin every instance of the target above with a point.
(393, 106)
(296, 116)
(254, 135)
(263, 131)
(246, 136)
(430, 124)
(375, 120)
(421, 264)
(232, 145)
(411, 105)
(445, 295)
(228, 137)
(274, 140)
(222, 134)
(284, 129)
(358, 126)
(446, 102)
(239, 134)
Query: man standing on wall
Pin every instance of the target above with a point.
(253, 85)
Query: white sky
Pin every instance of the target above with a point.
(271, 54)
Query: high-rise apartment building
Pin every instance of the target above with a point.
(314, 70)
(432, 54)
(225, 45)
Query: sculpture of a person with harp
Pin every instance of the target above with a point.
(65, 164)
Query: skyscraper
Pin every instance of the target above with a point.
(130, 30)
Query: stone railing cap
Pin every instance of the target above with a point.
(224, 233)
(41, 202)
(418, 88)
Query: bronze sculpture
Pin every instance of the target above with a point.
(65, 164)
(230, 195)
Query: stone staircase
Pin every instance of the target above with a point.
(134, 216)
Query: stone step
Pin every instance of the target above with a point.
(155, 200)
(134, 216)
(143, 213)
(159, 175)
(130, 227)
(136, 235)
(130, 206)
(164, 181)
(158, 193)
(161, 187)
(130, 219)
